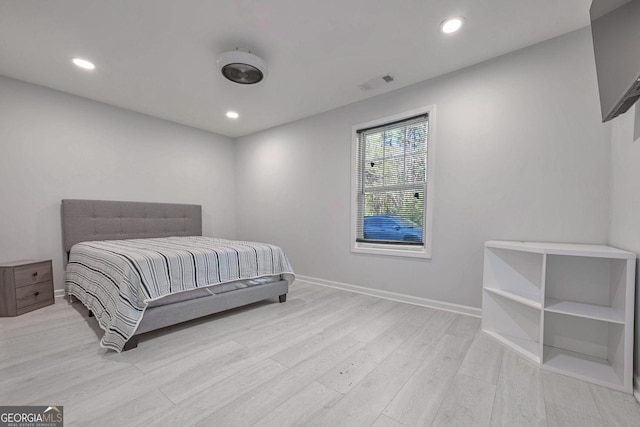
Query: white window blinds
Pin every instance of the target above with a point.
(392, 182)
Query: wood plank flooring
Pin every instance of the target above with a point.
(324, 358)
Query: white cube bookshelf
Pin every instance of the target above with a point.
(568, 307)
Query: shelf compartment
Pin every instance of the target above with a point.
(589, 281)
(512, 323)
(588, 311)
(526, 300)
(515, 272)
(528, 349)
(581, 366)
(583, 344)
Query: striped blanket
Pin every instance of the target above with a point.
(117, 279)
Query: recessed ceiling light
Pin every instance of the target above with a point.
(83, 63)
(451, 25)
(232, 114)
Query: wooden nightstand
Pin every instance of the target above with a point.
(25, 286)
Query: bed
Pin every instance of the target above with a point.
(139, 267)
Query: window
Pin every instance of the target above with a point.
(392, 185)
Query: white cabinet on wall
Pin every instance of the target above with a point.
(568, 307)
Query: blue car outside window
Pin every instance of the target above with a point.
(391, 228)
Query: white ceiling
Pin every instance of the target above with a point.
(158, 56)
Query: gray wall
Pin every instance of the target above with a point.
(54, 146)
(521, 154)
(624, 229)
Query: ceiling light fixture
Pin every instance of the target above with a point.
(83, 63)
(232, 114)
(242, 67)
(451, 25)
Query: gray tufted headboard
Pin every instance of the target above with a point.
(86, 220)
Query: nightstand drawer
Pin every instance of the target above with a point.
(34, 294)
(31, 274)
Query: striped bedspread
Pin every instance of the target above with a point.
(117, 279)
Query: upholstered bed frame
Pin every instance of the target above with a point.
(91, 220)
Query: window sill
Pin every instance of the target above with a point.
(392, 250)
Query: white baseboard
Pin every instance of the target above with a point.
(58, 293)
(636, 387)
(393, 296)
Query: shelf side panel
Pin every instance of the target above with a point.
(616, 353)
(513, 271)
(618, 287)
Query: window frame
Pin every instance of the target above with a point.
(412, 251)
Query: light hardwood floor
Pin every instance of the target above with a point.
(324, 358)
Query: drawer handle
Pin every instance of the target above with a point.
(35, 274)
(36, 293)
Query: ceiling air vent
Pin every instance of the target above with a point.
(376, 82)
